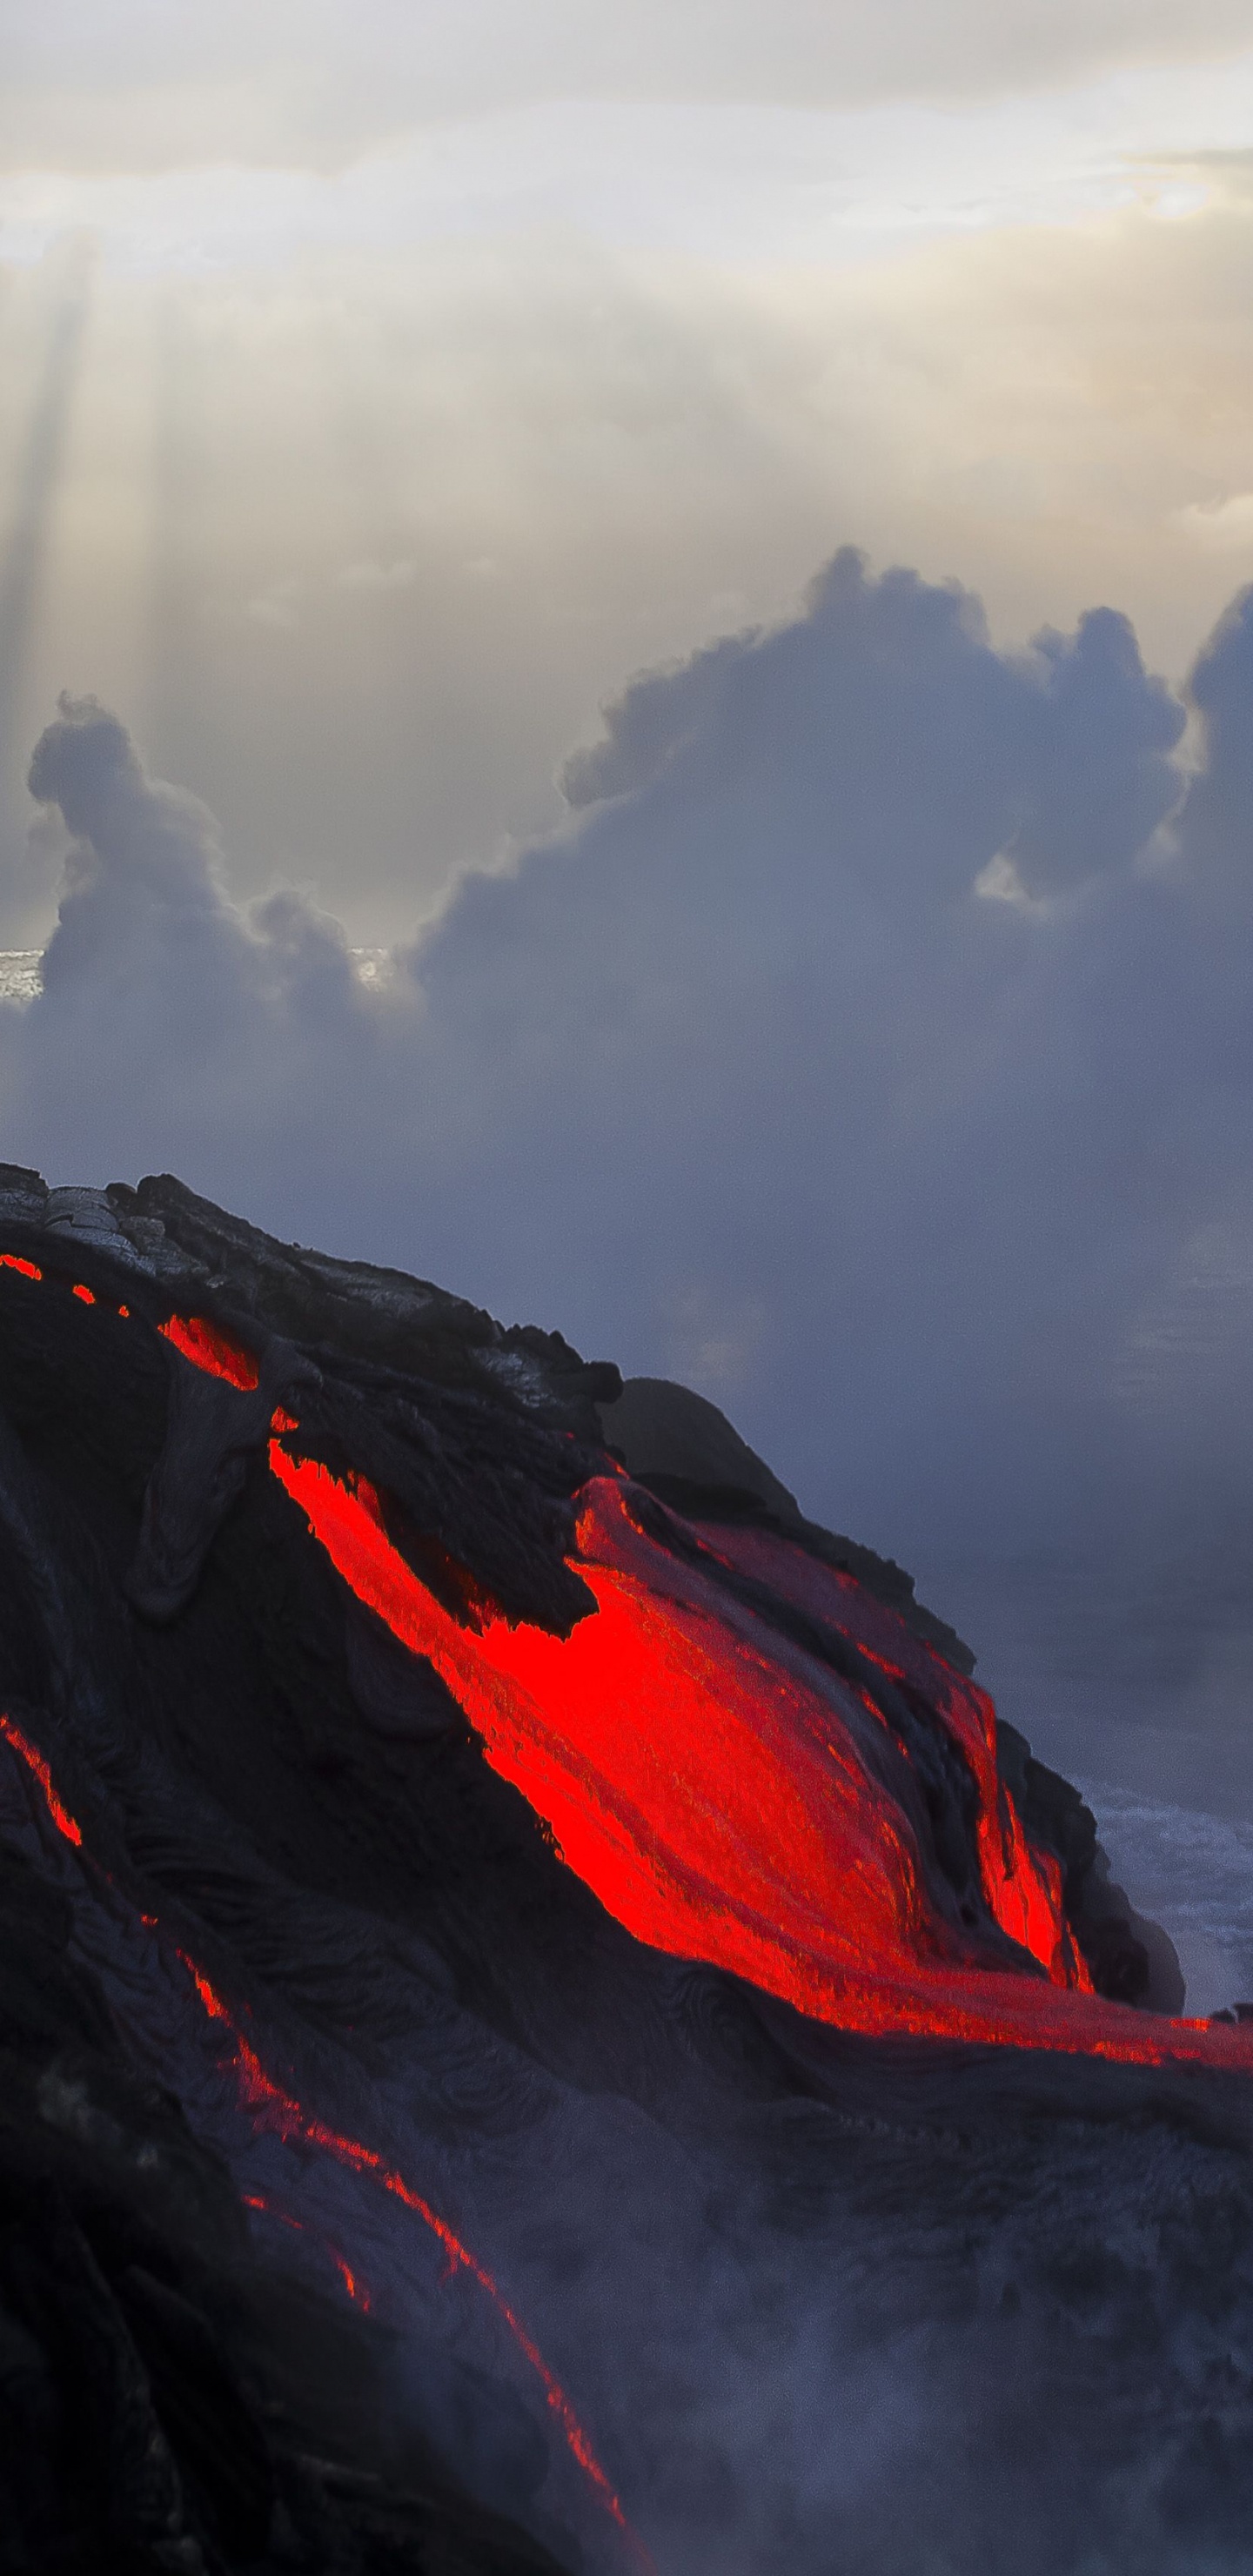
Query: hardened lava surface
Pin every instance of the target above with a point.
(544, 2021)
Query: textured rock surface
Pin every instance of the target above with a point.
(300, 2009)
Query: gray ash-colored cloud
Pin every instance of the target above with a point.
(870, 1049)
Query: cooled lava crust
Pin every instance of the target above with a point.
(496, 1940)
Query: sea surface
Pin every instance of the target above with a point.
(1135, 1680)
(1193, 1874)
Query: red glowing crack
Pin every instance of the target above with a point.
(279, 2112)
(35, 1762)
(353, 2284)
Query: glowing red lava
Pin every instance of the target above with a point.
(35, 1762)
(1023, 1885)
(701, 1774)
(695, 1771)
(273, 2109)
(211, 1349)
(355, 2287)
(278, 2111)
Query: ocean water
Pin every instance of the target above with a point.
(1193, 1874)
(1135, 1680)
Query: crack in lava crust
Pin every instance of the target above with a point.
(273, 2109)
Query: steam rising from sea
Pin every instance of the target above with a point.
(1192, 1873)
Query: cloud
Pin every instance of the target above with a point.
(167, 1014)
(1218, 821)
(122, 84)
(368, 575)
(1060, 757)
(278, 607)
(740, 1077)
(1219, 526)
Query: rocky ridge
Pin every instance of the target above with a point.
(254, 1859)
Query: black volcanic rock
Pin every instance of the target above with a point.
(685, 1450)
(274, 1937)
(166, 2402)
(381, 1316)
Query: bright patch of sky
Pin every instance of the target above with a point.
(722, 182)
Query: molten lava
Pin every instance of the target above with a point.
(279, 2112)
(355, 2287)
(695, 1771)
(709, 1781)
(1023, 1886)
(35, 1763)
(211, 1349)
(273, 2109)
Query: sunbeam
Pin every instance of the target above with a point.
(36, 485)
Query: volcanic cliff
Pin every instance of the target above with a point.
(544, 2021)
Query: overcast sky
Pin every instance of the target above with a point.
(384, 385)
(426, 429)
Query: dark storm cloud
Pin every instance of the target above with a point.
(740, 1077)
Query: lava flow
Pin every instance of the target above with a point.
(1023, 1885)
(61, 1817)
(212, 1350)
(704, 1776)
(354, 2286)
(698, 1778)
(273, 2109)
(696, 1772)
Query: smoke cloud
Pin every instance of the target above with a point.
(870, 1049)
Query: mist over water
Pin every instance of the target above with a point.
(1137, 1684)
(1193, 1873)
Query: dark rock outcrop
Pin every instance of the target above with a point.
(298, 2003)
(168, 2401)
